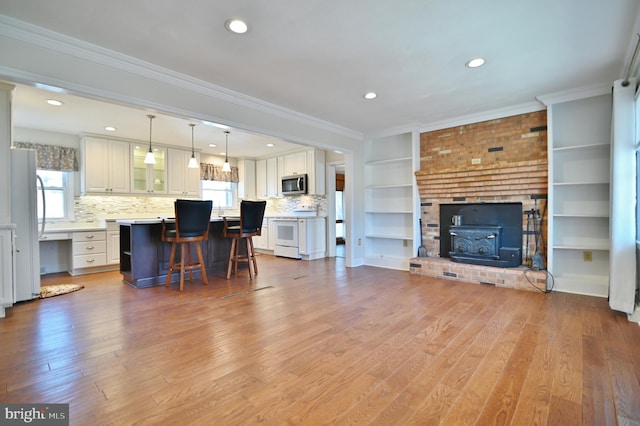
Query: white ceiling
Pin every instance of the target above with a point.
(318, 57)
(79, 115)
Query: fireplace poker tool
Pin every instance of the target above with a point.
(533, 218)
(422, 250)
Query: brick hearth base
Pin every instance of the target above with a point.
(501, 277)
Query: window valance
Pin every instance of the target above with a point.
(214, 172)
(53, 157)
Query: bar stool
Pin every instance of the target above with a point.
(251, 216)
(191, 226)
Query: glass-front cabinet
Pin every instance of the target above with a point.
(148, 178)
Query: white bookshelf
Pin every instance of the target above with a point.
(390, 201)
(579, 176)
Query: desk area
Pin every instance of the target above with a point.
(144, 257)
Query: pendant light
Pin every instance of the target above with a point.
(193, 163)
(226, 167)
(150, 158)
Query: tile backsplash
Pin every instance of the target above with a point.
(92, 207)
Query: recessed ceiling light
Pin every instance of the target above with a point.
(370, 95)
(110, 129)
(270, 145)
(54, 102)
(236, 26)
(475, 63)
(212, 145)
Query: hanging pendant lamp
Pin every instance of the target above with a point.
(226, 167)
(193, 163)
(150, 158)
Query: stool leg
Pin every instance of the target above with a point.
(182, 266)
(171, 260)
(233, 245)
(205, 281)
(236, 257)
(249, 265)
(253, 257)
(189, 261)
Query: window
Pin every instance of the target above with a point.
(220, 193)
(58, 192)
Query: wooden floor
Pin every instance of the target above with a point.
(316, 343)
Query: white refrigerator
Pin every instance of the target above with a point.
(24, 214)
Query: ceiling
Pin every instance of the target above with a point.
(318, 57)
(79, 115)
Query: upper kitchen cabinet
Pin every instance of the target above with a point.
(267, 177)
(247, 179)
(310, 162)
(182, 180)
(148, 178)
(105, 166)
(293, 164)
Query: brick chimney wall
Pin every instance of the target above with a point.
(502, 160)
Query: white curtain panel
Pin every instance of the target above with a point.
(622, 253)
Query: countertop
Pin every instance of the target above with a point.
(101, 224)
(61, 227)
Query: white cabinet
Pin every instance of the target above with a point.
(293, 164)
(7, 266)
(89, 250)
(181, 179)
(390, 201)
(247, 179)
(113, 243)
(310, 162)
(579, 175)
(272, 235)
(312, 239)
(105, 166)
(148, 178)
(267, 177)
(316, 171)
(262, 241)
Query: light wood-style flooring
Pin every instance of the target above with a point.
(310, 343)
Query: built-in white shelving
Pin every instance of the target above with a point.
(390, 201)
(579, 193)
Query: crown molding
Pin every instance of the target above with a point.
(575, 94)
(47, 39)
(483, 116)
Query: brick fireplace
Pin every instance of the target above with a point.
(496, 161)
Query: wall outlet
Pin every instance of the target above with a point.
(587, 256)
(476, 161)
(359, 241)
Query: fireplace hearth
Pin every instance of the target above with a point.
(488, 234)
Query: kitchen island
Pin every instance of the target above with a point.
(144, 257)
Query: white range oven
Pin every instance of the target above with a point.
(286, 232)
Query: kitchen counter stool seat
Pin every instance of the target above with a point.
(191, 227)
(251, 217)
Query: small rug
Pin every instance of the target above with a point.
(58, 289)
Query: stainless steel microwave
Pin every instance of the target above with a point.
(293, 185)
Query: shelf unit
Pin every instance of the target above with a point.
(390, 201)
(579, 194)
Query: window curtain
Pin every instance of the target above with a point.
(622, 226)
(214, 172)
(53, 157)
